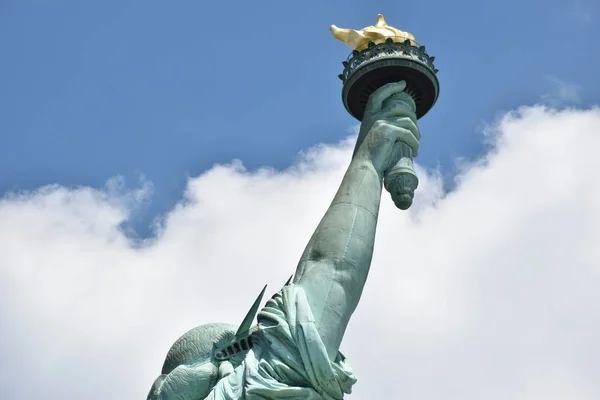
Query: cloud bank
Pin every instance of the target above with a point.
(489, 291)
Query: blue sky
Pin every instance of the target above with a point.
(91, 90)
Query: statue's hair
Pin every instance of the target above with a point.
(197, 344)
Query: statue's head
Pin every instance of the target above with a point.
(199, 345)
(205, 354)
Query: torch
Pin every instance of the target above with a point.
(383, 54)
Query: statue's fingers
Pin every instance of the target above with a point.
(404, 130)
(397, 110)
(380, 95)
(406, 123)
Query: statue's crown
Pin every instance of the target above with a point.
(242, 341)
(378, 33)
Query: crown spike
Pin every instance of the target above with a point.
(249, 318)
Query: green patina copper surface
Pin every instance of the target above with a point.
(293, 351)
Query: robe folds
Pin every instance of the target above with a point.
(288, 359)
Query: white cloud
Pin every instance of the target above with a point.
(490, 291)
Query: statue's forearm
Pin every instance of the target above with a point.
(335, 264)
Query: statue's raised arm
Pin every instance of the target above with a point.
(335, 264)
(293, 352)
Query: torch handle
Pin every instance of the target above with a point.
(401, 181)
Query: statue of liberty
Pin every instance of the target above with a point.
(293, 351)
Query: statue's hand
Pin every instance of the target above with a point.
(387, 122)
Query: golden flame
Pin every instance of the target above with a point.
(358, 40)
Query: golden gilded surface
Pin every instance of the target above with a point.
(358, 40)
